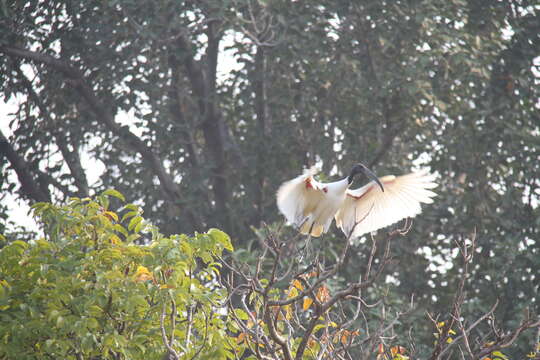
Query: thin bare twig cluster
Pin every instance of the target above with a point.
(289, 310)
(286, 310)
(468, 341)
(259, 24)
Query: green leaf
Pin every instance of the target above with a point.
(116, 194)
(20, 244)
(120, 229)
(92, 324)
(129, 214)
(134, 222)
(241, 314)
(221, 237)
(59, 321)
(138, 227)
(318, 327)
(131, 207)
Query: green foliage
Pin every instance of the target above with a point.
(87, 290)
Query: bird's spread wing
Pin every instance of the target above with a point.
(298, 198)
(368, 208)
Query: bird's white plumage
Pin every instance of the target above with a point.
(311, 206)
(368, 208)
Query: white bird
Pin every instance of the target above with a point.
(311, 206)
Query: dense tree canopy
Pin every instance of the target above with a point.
(200, 109)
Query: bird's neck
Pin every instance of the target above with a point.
(351, 176)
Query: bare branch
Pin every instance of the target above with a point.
(467, 256)
(466, 332)
(29, 186)
(72, 158)
(508, 339)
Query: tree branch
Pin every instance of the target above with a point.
(29, 186)
(103, 114)
(172, 354)
(259, 83)
(72, 158)
(508, 339)
(203, 84)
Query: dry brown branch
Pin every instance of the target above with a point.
(502, 339)
(443, 344)
(509, 338)
(280, 316)
(294, 313)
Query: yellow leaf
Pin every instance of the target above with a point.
(254, 314)
(297, 284)
(323, 294)
(451, 332)
(345, 336)
(142, 270)
(143, 277)
(288, 312)
(307, 303)
(142, 274)
(449, 340)
(397, 350)
(111, 215)
(440, 324)
(115, 239)
(293, 292)
(241, 337)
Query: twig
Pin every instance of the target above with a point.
(172, 352)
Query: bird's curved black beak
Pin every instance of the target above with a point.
(371, 175)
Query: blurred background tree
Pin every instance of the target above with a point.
(200, 109)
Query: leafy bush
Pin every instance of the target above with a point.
(88, 290)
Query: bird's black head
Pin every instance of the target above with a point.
(362, 169)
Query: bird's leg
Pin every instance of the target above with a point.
(305, 251)
(308, 241)
(308, 233)
(320, 250)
